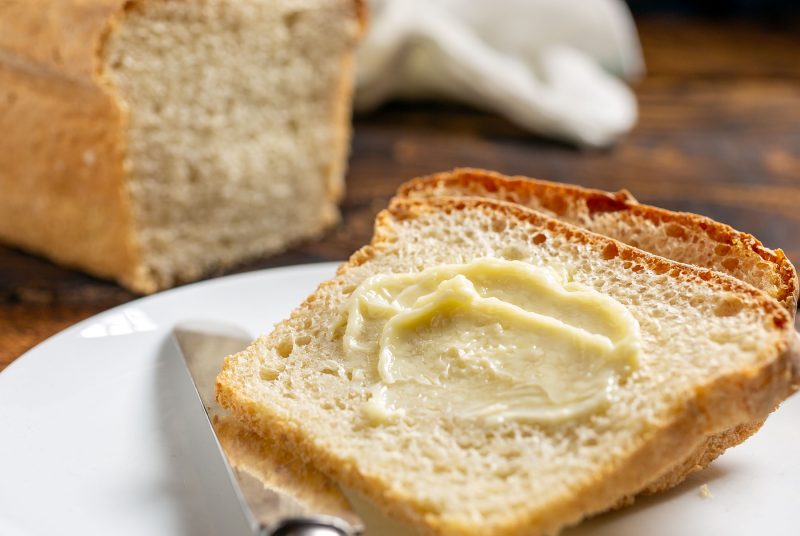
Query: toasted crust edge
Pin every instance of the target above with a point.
(556, 196)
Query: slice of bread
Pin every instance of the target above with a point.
(280, 469)
(716, 353)
(680, 236)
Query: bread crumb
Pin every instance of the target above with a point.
(704, 492)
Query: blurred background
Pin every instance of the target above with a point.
(716, 131)
(718, 128)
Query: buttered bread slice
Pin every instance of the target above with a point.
(682, 237)
(481, 368)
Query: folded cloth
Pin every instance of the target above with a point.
(550, 66)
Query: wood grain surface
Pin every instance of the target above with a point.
(718, 134)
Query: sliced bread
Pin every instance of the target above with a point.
(716, 353)
(280, 469)
(682, 237)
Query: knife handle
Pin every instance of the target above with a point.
(313, 526)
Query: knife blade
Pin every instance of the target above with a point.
(271, 512)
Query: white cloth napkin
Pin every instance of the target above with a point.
(550, 66)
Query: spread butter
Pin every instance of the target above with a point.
(492, 339)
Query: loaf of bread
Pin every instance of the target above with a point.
(152, 141)
(682, 237)
(715, 353)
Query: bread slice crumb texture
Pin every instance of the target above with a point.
(682, 237)
(715, 352)
(237, 123)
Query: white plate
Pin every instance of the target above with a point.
(100, 433)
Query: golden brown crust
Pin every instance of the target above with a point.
(720, 405)
(63, 155)
(65, 200)
(559, 198)
(554, 196)
(707, 452)
(56, 38)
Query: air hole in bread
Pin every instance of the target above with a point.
(729, 306)
(285, 347)
(697, 301)
(338, 331)
(722, 249)
(512, 253)
(539, 239)
(610, 251)
(269, 373)
(604, 203)
(498, 225)
(505, 472)
(730, 263)
(557, 204)
(661, 268)
(302, 340)
(291, 19)
(675, 231)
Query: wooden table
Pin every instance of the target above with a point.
(718, 134)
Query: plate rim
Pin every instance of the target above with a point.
(167, 293)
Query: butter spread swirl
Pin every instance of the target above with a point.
(492, 339)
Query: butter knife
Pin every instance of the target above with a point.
(271, 512)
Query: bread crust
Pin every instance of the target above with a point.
(720, 405)
(565, 201)
(62, 155)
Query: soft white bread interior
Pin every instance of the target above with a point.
(154, 141)
(682, 237)
(716, 353)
